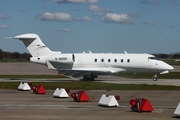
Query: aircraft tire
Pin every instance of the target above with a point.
(155, 79)
(86, 78)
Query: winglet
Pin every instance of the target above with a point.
(125, 52)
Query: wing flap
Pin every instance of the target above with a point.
(77, 72)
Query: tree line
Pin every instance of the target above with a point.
(8, 56)
(168, 56)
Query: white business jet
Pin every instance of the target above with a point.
(90, 65)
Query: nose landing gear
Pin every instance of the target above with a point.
(155, 77)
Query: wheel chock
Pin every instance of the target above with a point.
(24, 87)
(80, 96)
(177, 111)
(109, 101)
(60, 93)
(39, 90)
(141, 105)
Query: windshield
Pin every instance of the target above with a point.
(153, 58)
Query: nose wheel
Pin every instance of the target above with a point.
(155, 77)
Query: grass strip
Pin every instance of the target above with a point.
(149, 75)
(31, 76)
(88, 85)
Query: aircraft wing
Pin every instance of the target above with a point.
(68, 70)
(77, 72)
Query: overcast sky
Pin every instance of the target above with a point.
(113, 26)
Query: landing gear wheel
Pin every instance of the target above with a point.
(155, 77)
(90, 77)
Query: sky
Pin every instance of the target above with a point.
(99, 26)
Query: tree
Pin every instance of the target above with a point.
(15, 55)
(1, 54)
(176, 56)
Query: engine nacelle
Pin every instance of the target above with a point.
(40, 60)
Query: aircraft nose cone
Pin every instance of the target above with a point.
(166, 66)
(171, 67)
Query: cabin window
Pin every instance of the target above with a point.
(95, 60)
(115, 60)
(128, 60)
(109, 60)
(122, 60)
(102, 60)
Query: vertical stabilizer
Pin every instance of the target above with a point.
(34, 44)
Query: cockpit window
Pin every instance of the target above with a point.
(153, 58)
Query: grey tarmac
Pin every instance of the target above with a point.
(22, 105)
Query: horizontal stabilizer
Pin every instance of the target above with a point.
(26, 37)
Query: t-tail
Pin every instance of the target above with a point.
(36, 47)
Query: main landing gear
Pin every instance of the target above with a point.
(89, 77)
(155, 77)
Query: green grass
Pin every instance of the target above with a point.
(149, 75)
(88, 85)
(31, 76)
(171, 61)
